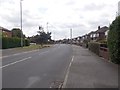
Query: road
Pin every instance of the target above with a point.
(45, 68)
(59, 65)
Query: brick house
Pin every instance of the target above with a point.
(102, 33)
(5, 32)
(91, 36)
(99, 34)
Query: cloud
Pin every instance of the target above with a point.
(43, 10)
(3, 2)
(70, 2)
(94, 7)
(82, 16)
(71, 25)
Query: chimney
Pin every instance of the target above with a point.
(98, 27)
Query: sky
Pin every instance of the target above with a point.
(82, 16)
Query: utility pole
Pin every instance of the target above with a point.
(116, 14)
(47, 27)
(71, 36)
(21, 22)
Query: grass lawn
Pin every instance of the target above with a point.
(33, 47)
(25, 49)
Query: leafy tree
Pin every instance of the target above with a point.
(16, 32)
(114, 41)
(43, 37)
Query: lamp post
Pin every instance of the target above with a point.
(47, 27)
(71, 35)
(21, 22)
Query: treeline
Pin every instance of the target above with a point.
(12, 42)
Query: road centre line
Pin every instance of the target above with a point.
(66, 77)
(15, 62)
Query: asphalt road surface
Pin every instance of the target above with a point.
(44, 68)
(57, 66)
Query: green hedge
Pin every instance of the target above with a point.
(114, 41)
(8, 42)
(94, 47)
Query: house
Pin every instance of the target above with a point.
(91, 36)
(5, 32)
(102, 33)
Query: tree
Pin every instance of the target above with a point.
(16, 32)
(114, 41)
(43, 37)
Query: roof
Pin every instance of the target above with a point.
(93, 32)
(102, 30)
(4, 29)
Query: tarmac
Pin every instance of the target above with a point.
(90, 71)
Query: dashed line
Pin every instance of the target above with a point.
(66, 77)
(15, 62)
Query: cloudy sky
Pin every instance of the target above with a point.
(82, 16)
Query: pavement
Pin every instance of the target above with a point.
(60, 65)
(90, 71)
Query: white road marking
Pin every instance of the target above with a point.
(18, 54)
(43, 52)
(15, 62)
(66, 77)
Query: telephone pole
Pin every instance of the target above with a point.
(71, 36)
(47, 27)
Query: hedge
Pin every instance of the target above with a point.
(94, 47)
(8, 42)
(114, 41)
(26, 42)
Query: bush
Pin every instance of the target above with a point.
(26, 42)
(114, 41)
(103, 45)
(103, 41)
(8, 42)
(94, 47)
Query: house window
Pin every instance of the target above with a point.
(106, 33)
(91, 36)
(94, 35)
(97, 35)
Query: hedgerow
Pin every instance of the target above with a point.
(114, 41)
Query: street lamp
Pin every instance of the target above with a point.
(21, 22)
(47, 27)
(71, 35)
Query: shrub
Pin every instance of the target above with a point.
(8, 42)
(103, 45)
(114, 41)
(103, 41)
(26, 42)
(94, 47)
(85, 43)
